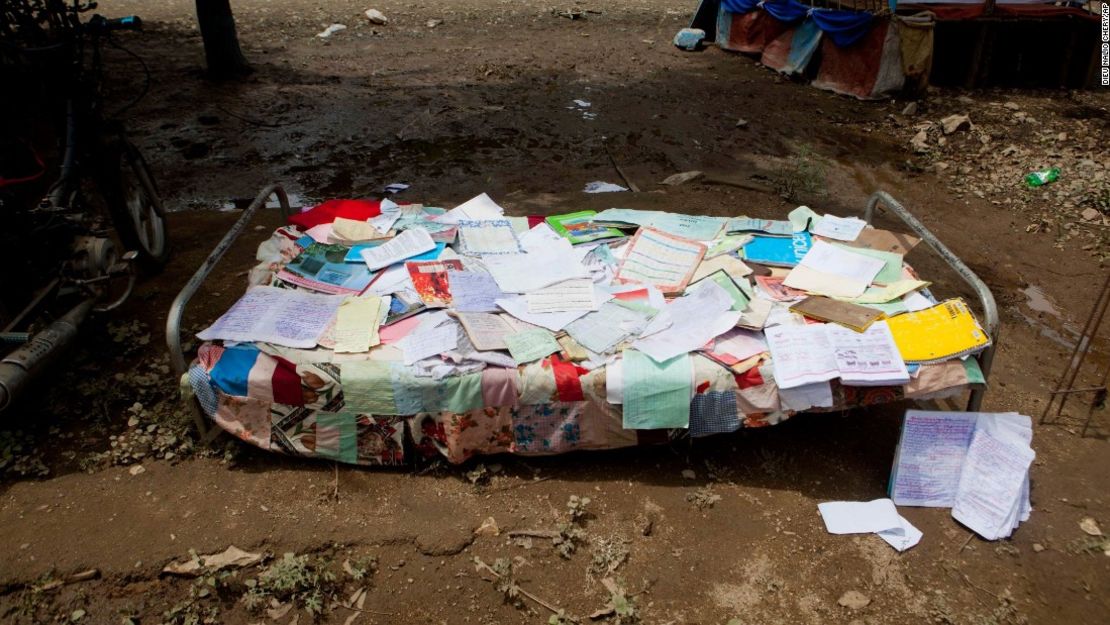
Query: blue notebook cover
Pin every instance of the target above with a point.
(782, 251)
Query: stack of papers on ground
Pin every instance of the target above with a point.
(976, 463)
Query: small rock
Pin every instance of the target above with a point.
(854, 600)
(682, 178)
(137, 469)
(688, 474)
(1063, 136)
(965, 100)
(1013, 106)
(77, 615)
(920, 142)
(911, 109)
(433, 23)
(376, 17)
(331, 30)
(741, 123)
(952, 123)
(1090, 214)
(488, 528)
(1090, 526)
(1038, 547)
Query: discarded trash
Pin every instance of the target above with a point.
(581, 104)
(395, 187)
(870, 517)
(598, 186)
(741, 123)
(433, 23)
(952, 123)
(683, 178)
(331, 30)
(1043, 177)
(689, 39)
(376, 17)
(230, 558)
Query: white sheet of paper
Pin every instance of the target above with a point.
(539, 238)
(473, 292)
(916, 301)
(391, 212)
(394, 279)
(834, 271)
(554, 321)
(320, 232)
(476, 208)
(868, 358)
(801, 355)
(614, 382)
(423, 344)
(839, 228)
(806, 396)
(860, 517)
(520, 273)
(405, 245)
(741, 344)
(688, 323)
(279, 316)
(904, 538)
(576, 294)
(991, 485)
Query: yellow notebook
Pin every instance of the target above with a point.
(938, 333)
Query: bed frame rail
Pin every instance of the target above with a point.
(986, 298)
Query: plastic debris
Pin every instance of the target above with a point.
(689, 39)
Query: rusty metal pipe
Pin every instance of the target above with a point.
(19, 368)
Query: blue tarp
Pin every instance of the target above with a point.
(843, 27)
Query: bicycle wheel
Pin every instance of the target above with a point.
(133, 203)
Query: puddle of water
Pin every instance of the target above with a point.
(1037, 301)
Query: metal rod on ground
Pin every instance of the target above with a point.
(628, 181)
(1079, 353)
(1084, 345)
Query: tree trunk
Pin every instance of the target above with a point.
(221, 42)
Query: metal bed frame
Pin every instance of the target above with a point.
(879, 199)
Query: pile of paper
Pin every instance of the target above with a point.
(976, 463)
(806, 302)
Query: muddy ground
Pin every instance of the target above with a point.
(480, 99)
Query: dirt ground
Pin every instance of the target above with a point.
(480, 99)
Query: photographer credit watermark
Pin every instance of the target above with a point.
(1105, 46)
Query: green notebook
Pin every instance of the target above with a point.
(580, 228)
